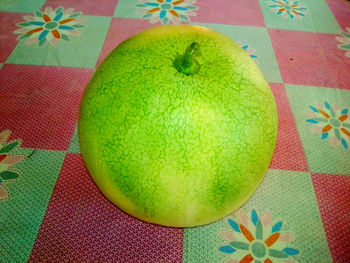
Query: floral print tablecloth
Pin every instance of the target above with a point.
(50, 209)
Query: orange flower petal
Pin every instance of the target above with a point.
(56, 34)
(153, 10)
(247, 259)
(46, 18)
(174, 13)
(323, 113)
(35, 30)
(272, 239)
(66, 21)
(281, 10)
(160, 1)
(327, 128)
(267, 260)
(345, 131)
(343, 117)
(246, 233)
(178, 2)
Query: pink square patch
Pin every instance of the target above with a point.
(337, 61)
(119, 30)
(301, 58)
(241, 12)
(81, 225)
(40, 104)
(8, 40)
(89, 8)
(333, 197)
(289, 152)
(341, 11)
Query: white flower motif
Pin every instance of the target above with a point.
(167, 11)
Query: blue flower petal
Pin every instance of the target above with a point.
(345, 111)
(326, 104)
(58, 17)
(152, 4)
(277, 227)
(314, 109)
(66, 27)
(290, 251)
(162, 14)
(180, 8)
(227, 249)
(234, 225)
(312, 121)
(254, 217)
(344, 143)
(245, 47)
(43, 35)
(324, 135)
(36, 23)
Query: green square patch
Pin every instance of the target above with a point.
(322, 119)
(280, 221)
(74, 143)
(126, 9)
(256, 42)
(21, 6)
(304, 15)
(80, 50)
(28, 196)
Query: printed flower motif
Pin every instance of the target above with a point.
(288, 8)
(345, 42)
(167, 11)
(332, 122)
(257, 239)
(7, 160)
(50, 26)
(250, 52)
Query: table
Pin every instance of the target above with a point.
(50, 209)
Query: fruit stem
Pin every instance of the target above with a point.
(187, 63)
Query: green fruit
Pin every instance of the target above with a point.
(178, 126)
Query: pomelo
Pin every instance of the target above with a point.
(178, 126)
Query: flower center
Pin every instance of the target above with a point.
(166, 6)
(51, 25)
(258, 249)
(335, 123)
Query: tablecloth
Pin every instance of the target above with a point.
(50, 209)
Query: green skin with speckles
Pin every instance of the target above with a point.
(175, 149)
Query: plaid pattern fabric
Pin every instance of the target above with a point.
(50, 209)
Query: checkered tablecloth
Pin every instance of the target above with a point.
(50, 209)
